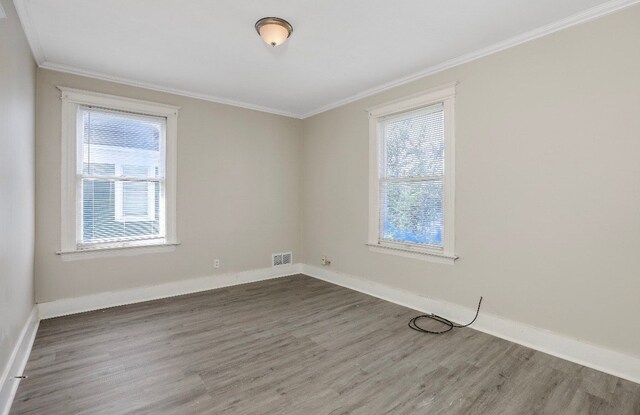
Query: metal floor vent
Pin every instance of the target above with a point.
(278, 260)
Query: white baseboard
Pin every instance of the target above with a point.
(17, 362)
(577, 351)
(136, 295)
(574, 350)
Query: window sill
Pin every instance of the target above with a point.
(114, 251)
(424, 255)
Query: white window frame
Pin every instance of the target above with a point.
(71, 247)
(445, 253)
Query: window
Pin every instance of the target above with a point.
(118, 172)
(412, 176)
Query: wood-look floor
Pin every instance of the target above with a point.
(295, 345)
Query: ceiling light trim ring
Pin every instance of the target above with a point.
(275, 21)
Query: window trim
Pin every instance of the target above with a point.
(72, 99)
(444, 94)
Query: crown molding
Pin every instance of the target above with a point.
(30, 30)
(160, 88)
(573, 20)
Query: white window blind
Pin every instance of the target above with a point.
(121, 177)
(412, 177)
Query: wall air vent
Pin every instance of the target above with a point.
(278, 260)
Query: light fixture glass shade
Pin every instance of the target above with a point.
(273, 30)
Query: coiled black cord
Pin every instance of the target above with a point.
(413, 323)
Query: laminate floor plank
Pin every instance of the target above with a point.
(295, 345)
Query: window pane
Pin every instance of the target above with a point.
(118, 146)
(101, 218)
(411, 212)
(135, 171)
(135, 199)
(135, 195)
(121, 139)
(99, 169)
(414, 144)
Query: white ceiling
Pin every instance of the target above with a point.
(339, 50)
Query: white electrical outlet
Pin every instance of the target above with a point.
(216, 263)
(325, 260)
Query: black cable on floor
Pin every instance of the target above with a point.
(413, 323)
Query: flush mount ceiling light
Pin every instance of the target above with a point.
(274, 30)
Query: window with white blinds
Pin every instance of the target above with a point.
(411, 192)
(121, 176)
(118, 172)
(412, 177)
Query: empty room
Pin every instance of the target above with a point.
(319, 207)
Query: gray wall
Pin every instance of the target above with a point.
(547, 186)
(17, 121)
(548, 181)
(237, 194)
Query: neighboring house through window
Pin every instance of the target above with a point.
(411, 207)
(118, 172)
